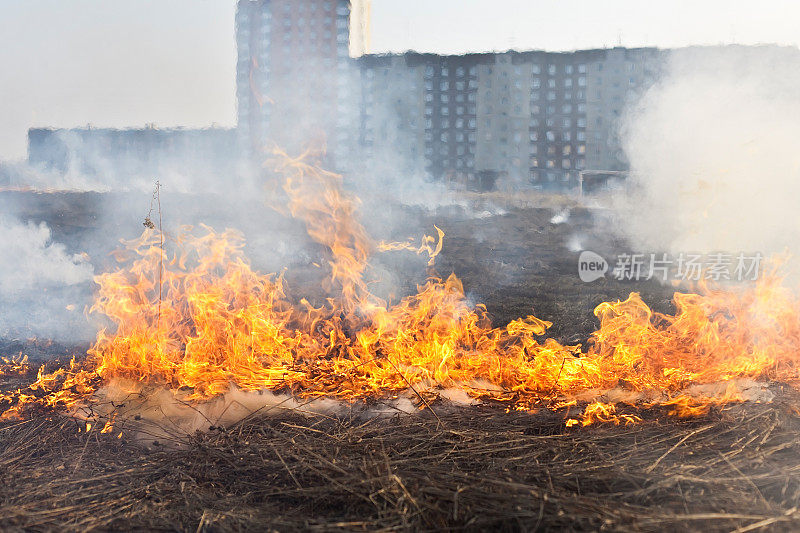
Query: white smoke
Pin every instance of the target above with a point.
(714, 149)
(32, 261)
(43, 288)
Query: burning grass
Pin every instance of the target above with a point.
(197, 317)
(197, 323)
(476, 469)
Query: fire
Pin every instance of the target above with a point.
(10, 366)
(214, 323)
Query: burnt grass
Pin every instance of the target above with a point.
(470, 468)
(519, 263)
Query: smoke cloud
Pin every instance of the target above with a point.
(713, 148)
(42, 286)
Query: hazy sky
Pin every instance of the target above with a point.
(171, 62)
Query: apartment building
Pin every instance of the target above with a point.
(532, 118)
(296, 83)
(535, 118)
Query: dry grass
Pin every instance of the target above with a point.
(477, 469)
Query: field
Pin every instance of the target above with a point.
(470, 469)
(449, 467)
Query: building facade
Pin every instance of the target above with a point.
(295, 78)
(535, 118)
(121, 158)
(531, 118)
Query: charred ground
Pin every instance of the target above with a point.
(468, 469)
(465, 468)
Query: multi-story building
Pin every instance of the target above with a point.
(192, 159)
(613, 80)
(295, 80)
(534, 118)
(304, 80)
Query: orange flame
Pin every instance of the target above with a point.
(221, 324)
